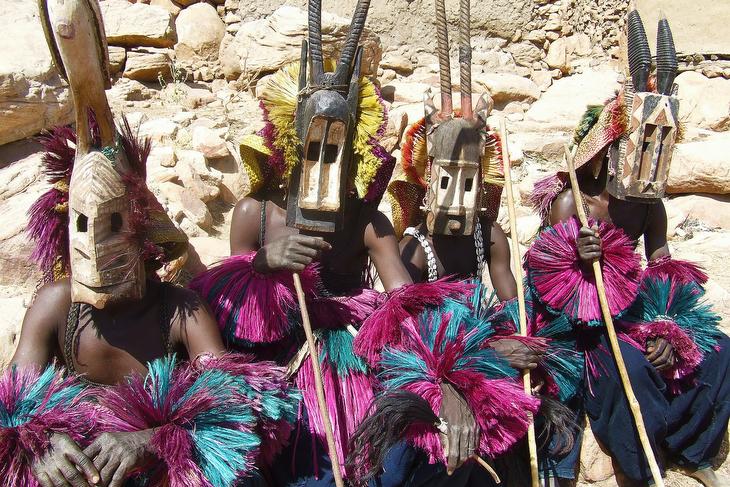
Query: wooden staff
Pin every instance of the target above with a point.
(517, 261)
(318, 383)
(613, 339)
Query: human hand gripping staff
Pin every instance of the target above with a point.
(613, 339)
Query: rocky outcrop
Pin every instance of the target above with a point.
(32, 94)
(701, 166)
(148, 64)
(704, 102)
(265, 45)
(199, 33)
(137, 24)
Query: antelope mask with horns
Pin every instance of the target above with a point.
(639, 161)
(106, 266)
(456, 144)
(325, 122)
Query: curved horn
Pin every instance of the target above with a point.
(465, 58)
(666, 57)
(353, 39)
(315, 39)
(638, 47)
(76, 37)
(442, 35)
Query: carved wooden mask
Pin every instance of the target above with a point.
(106, 264)
(639, 161)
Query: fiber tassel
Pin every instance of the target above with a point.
(383, 327)
(674, 310)
(544, 193)
(249, 307)
(205, 432)
(348, 389)
(559, 280)
(33, 406)
(679, 271)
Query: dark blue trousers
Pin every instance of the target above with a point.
(688, 427)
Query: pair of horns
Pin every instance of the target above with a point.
(348, 52)
(640, 54)
(464, 57)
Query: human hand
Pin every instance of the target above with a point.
(460, 433)
(293, 252)
(116, 454)
(660, 353)
(64, 464)
(589, 244)
(516, 353)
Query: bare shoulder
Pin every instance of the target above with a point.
(55, 296)
(563, 207)
(247, 209)
(245, 225)
(380, 224)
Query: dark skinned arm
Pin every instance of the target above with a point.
(383, 250)
(245, 226)
(659, 352)
(500, 270)
(64, 463)
(413, 257)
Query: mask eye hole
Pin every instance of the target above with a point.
(468, 184)
(313, 150)
(444, 182)
(116, 222)
(82, 223)
(330, 153)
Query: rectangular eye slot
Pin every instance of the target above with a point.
(82, 223)
(313, 150)
(444, 182)
(468, 184)
(330, 153)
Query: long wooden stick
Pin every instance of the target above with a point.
(517, 260)
(613, 339)
(319, 383)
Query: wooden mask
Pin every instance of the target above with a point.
(639, 161)
(325, 121)
(455, 144)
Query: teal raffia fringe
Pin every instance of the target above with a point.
(674, 309)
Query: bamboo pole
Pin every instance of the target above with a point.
(318, 383)
(516, 259)
(613, 339)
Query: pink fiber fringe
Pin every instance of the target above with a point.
(334, 312)
(251, 306)
(21, 445)
(564, 285)
(383, 327)
(500, 406)
(688, 354)
(348, 400)
(544, 193)
(679, 271)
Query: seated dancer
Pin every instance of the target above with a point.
(320, 145)
(678, 360)
(450, 190)
(99, 236)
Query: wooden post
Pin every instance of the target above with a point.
(319, 383)
(517, 260)
(613, 339)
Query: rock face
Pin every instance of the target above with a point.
(701, 166)
(704, 102)
(566, 100)
(32, 94)
(137, 24)
(199, 33)
(265, 45)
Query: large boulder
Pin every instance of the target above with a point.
(713, 210)
(137, 24)
(199, 33)
(148, 64)
(265, 45)
(701, 166)
(704, 102)
(566, 100)
(506, 87)
(32, 94)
